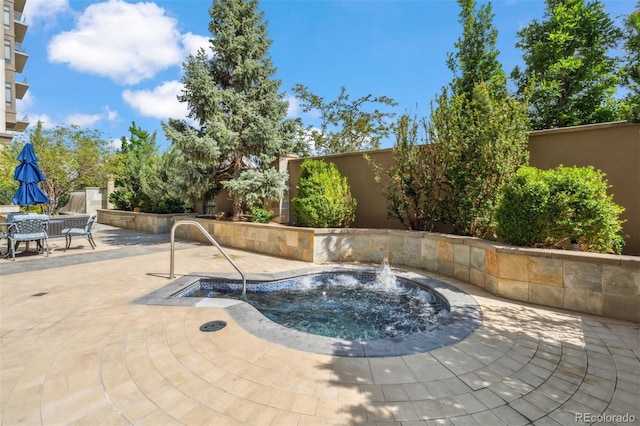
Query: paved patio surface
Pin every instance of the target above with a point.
(74, 349)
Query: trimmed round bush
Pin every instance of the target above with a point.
(543, 208)
(521, 215)
(324, 197)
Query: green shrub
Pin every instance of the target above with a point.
(324, 198)
(123, 200)
(261, 215)
(168, 204)
(543, 208)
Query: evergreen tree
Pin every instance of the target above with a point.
(567, 59)
(136, 166)
(479, 130)
(234, 101)
(476, 59)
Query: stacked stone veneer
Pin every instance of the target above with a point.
(277, 240)
(600, 284)
(144, 222)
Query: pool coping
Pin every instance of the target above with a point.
(465, 315)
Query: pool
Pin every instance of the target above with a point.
(343, 305)
(454, 316)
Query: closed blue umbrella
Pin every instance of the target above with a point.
(28, 174)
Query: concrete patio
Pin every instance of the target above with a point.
(75, 350)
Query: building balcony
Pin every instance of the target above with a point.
(21, 89)
(20, 60)
(20, 27)
(18, 5)
(17, 125)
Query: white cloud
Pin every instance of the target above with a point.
(83, 120)
(47, 122)
(44, 10)
(115, 143)
(24, 105)
(161, 102)
(293, 111)
(122, 41)
(192, 42)
(89, 120)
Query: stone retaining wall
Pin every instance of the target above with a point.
(272, 239)
(600, 284)
(144, 222)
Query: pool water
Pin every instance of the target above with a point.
(349, 306)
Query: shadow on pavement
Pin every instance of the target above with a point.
(125, 237)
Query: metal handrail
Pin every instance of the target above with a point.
(214, 242)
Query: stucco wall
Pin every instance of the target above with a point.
(613, 148)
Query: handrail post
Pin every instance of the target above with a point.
(214, 242)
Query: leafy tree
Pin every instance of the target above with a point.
(345, 126)
(412, 185)
(8, 163)
(567, 60)
(630, 69)
(69, 157)
(324, 197)
(234, 101)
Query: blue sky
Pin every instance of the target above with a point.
(103, 64)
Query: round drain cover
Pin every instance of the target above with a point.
(213, 326)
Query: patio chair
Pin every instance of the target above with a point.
(86, 232)
(31, 227)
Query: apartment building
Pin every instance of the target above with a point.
(15, 58)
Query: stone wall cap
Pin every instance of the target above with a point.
(577, 256)
(329, 231)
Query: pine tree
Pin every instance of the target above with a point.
(235, 103)
(566, 57)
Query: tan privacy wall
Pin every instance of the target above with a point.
(613, 148)
(371, 211)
